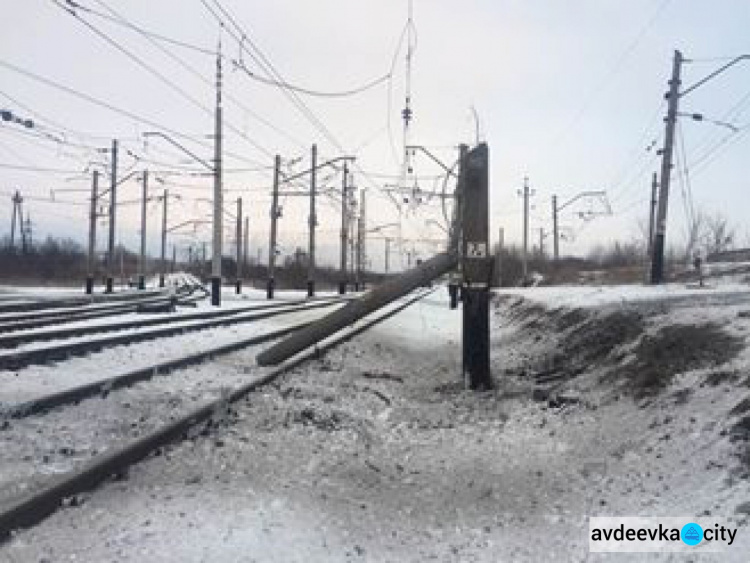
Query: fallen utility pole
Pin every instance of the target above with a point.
(370, 302)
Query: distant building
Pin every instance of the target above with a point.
(739, 255)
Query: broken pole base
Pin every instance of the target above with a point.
(476, 338)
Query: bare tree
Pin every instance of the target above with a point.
(696, 232)
(718, 234)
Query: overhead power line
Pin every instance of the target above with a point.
(106, 105)
(154, 40)
(626, 53)
(240, 64)
(247, 46)
(154, 72)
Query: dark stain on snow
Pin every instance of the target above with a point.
(676, 349)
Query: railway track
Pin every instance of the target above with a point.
(16, 359)
(27, 303)
(49, 494)
(12, 323)
(18, 338)
(42, 440)
(37, 318)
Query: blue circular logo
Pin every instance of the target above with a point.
(692, 534)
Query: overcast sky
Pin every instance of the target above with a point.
(569, 93)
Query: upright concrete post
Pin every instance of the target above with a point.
(238, 265)
(477, 268)
(555, 230)
(313, 222)
(245, 246)
(142, 258)
(673, 98)
(271, 283)
(651, 223)
(109, 286)
(91, 261)
(344, 229)
(163, 261)
(218, 216)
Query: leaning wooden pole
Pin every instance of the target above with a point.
(355, 310)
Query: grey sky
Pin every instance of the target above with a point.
(569, 93)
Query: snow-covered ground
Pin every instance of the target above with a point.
(613, 401)
(35, 447)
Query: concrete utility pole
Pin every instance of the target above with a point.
(541, 242)
(387, 254)
(238, 265)
(361, 235)
(27, 238)
(112, 215)
(344, 229)
(651, 221)
(218, 195)
(313, 221)
(525, 251)
(203, 259)
(673, 99)
(142, 261)
(477, 267)
(556, 209)
(500, 247)
(245, 246)
(555, 230)
(352, 246)
(17, 213)
(163, 262)
(271, 283)
(91, 261)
